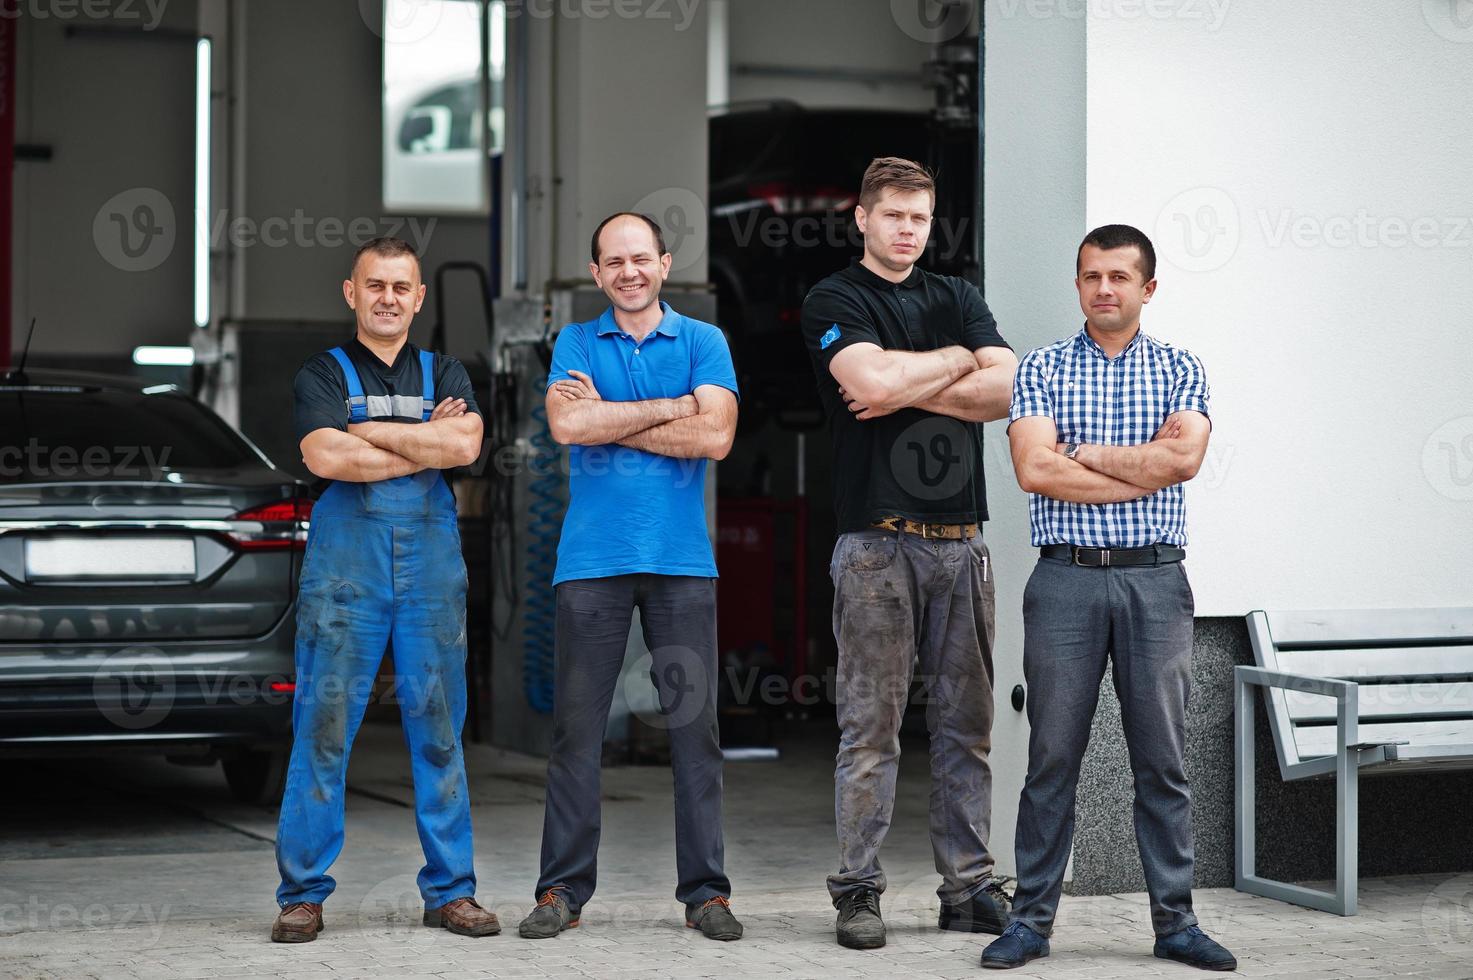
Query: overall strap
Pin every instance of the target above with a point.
(427, 372)
(357, 402)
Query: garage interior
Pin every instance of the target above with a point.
(191, 178)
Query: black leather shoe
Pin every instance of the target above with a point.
(1193, 947)
(986, 911)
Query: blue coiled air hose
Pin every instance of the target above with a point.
(540, 613)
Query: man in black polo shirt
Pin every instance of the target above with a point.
(909, 365)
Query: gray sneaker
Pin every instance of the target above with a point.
(550, 917)
(715, 920)
(859, 925)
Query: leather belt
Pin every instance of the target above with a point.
(944, 532)
(1156, 554)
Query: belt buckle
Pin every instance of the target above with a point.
(1104, 561)
(926, 531)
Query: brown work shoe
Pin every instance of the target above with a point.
(464, 917)
(299, 922)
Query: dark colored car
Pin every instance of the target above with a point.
(784, 181)
(148, 573)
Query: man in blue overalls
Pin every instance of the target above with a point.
(383, 562)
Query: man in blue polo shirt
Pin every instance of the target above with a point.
(644, 396)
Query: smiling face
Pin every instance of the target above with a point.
(630, 269)
(384, 294)
(896, 227)
(1112, 288)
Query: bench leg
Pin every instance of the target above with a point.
(1347, 813)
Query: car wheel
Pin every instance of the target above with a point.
(257, 777)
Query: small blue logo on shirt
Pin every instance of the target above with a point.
(828, 338)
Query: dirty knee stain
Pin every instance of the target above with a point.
(438, 756)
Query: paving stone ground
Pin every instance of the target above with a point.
(146, 870)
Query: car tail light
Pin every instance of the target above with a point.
(273, 527)
(791, 199)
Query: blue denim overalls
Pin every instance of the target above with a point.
(383, 562)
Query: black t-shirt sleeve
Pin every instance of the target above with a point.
(321, 397)
(452, 381)
(832, 321)
(979, 329)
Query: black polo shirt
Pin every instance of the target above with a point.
(395, 391)
(910, 463)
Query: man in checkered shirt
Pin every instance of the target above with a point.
(1104, 428)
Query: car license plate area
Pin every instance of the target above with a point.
(57, 559)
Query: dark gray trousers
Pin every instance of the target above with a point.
(1073, 619)
(678, 616)
(900, 600)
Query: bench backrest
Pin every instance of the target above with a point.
(1414, 668)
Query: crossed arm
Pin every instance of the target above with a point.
(372, 451)
(974, 386)
(1107, 474)
(700, 425)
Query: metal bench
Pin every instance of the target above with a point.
(1385, 691)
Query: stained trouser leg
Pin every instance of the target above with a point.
(592, 632)
(875, 625)
(678, 616)
(955, 663)
(344, 611)
(429, 669)
(1066, 638)
(1152, 658)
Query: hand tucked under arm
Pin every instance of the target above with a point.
(1041, 469)
(580, 419)
(877, 381)
(334, 455)
(438, 444)
(705, 435)
(981, 396)
(1173, 456)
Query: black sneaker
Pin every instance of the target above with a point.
(986, 911)
(859, 925)
(550, 917)
(715, 920)
(1193, 947)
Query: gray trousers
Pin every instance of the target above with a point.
(678, 616)
(1073, 619)
(900, 600)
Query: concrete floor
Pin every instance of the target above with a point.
(139, 868)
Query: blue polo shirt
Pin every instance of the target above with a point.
(630, 511)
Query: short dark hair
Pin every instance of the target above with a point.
(654, 229)
(386, 247)
(1108, 237)
(896, 172)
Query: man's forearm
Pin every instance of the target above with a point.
(1061, 478)
(982, 396)
(595, 422)
(440, 444)
(1155, 464)
(364, 463)
(906, 378)
(694, 438)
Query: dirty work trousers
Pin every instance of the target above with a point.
(678, 616)
(383, 562)
(902, 600)
(1140, 618)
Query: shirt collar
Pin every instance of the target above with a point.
(669, 323)
(859, 273)
(406, 351)
(1083, 339)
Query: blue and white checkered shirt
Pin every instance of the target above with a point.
(1103, 402)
